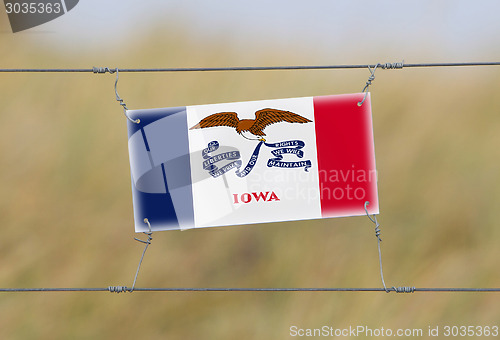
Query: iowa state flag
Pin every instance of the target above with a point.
(252, 162)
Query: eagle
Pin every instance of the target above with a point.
(250, 128)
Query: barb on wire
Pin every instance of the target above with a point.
(117, 289)
(251, 68)
(102, 70)
(392, 66)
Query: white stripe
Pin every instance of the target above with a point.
(296, 189)
(64, 6)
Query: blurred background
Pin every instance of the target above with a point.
(65, 196)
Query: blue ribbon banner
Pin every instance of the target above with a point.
(209, 162)
(289, 147)
(292, 147)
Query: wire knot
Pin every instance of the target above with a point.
(374, 220)
(392, 66)
(118, 289)
(402, 289)
(148, 233)
(385, 66)
(103, 70)
(368, 83)
(378, 232)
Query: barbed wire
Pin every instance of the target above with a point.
(398, 65)
(121, 289)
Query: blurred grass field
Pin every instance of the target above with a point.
(66, 207)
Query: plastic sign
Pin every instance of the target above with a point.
(252, 162)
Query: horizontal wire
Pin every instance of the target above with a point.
(119, 289)
(125, 289)
(246, 68)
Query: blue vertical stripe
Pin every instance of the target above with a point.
(164, 197)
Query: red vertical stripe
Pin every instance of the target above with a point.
(346, 155)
